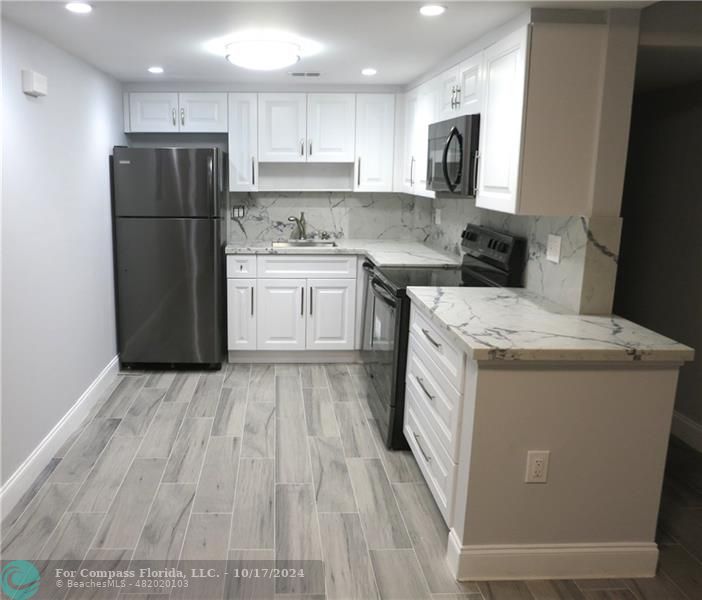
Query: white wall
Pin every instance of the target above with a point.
(58, 318)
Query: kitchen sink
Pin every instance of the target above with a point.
(304, 244)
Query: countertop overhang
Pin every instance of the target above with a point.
(509, 324)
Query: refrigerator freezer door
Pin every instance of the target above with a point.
(166, 182)
(169, 295)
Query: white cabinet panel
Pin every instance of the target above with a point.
(425, 115)
(448, 85)
(280, 305)
(153, 111)
(241, 265)
(331, 314)
(203, 112)
(241, 314)
(469, 93)
(282, 127)
(501, 126)
(330, 127)
(243, 142)
(409, 167)
(289, 266)
(375, 120)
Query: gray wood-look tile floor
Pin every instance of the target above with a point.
(260, 462)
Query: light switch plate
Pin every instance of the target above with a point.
(553, 248)
(238, 211)
(437, 216)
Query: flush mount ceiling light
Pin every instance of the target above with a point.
(155, 70)
(432, 10)
(81, 8)
(263, 50)
(368, 71)
(263, 55)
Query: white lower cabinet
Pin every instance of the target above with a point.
(241, 314)
(274, 312)
(331, 314)
(281, 314)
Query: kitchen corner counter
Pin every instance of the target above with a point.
(508, 324)
(391, 253)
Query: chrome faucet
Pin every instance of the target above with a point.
(301, 226)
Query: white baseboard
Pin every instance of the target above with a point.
(29, 470)
(550, 561)
(294, 356)
(687, 430)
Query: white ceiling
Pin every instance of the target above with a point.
(124, 38)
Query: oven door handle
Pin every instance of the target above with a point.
(452, 185)
(382, 293)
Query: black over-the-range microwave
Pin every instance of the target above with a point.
(452, 159)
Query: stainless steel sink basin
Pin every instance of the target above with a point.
(304, 244)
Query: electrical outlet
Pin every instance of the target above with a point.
(537, 466)
(553, 248)
(437, 216)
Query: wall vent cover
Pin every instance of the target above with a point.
(305, 74)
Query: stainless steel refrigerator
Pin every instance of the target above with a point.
(168, 208)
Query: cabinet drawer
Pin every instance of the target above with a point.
(241, 265)
(294, 266)
(437, 346)
(436, 465)
(437, 397)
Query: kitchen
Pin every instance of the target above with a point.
(333, 300)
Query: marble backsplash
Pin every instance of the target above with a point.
(343, 215)
(583, 281)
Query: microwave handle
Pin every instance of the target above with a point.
(452, 185)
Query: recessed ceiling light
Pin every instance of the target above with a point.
(155, 70)
(368, 71)
(432, 10)
(263, 55)
(82, 8)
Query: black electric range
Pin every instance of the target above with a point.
(491, 259)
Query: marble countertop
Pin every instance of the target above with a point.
(513, 324)
(390, 253)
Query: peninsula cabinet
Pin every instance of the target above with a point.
(291, 302)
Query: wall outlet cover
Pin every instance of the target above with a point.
(437, 216)
(537, 466)
(553, 248)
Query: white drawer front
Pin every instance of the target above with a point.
(296, 266)
(438, 398)
(241, 265)
(437, 467)
(437, 346)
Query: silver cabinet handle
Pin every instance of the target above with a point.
(174, 117)
(310, 152)
(302, 147)
(453, 97)
(431, 339)
(252, 301)
(412, 171)
(420, 381)
(458, 96)
(421, 448)
(476, 162)
(302, 301)
(311, 296)
(253, 171)
(359, 170)
(182, 116)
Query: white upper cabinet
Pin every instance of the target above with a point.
(331, 122)
(421, 109)
(331, 314)
(153, 111)
(501, 122)
(375, 131)
(243, 142)
(282, 127)
(470, 86)
(409, 166)
(203, 112)
(448, 86)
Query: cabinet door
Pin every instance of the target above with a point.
(425, 115)
(409, 160)
(447, 84)
(331, 314)
(243, 142)
(241, 314)
(501, 122)
(469, 93)
(280, 304)
(282, 127)
(375, 125)
(203, 112)
(153, 112)
(330, 127)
